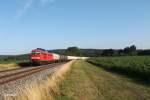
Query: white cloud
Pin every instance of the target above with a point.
(28, 4)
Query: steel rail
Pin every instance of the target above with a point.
(19, 75)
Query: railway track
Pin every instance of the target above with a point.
(19, 74)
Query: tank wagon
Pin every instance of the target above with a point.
(40, 56)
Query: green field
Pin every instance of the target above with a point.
(136, 66)
(86, 81)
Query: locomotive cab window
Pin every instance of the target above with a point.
(36, 53)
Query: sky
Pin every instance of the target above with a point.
(54, 24)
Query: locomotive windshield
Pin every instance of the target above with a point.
(35, 52)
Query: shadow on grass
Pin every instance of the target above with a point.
(25, 64)
(29, 64)
(137, 77)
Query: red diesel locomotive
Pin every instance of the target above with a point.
(41, 56)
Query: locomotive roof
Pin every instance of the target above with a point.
(39, 50)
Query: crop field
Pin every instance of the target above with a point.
(136, 66)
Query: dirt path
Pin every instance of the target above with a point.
(89, 82)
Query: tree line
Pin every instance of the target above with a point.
(14, 58)
(127, 51)
(75, 51)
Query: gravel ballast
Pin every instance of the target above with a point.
(13, 87)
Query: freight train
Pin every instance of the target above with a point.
(40, 56)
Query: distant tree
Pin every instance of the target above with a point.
(130, 50)
(108, 52)
(127, 50)
(116, 53)
(73, 51)
(121, 52)
(91, 52)
(133, 50)
(144, 52)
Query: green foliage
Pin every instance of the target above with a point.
(73, 51)
(144, 52)
(16, 59)
(130, 50)
(135, 65)
(110, 52)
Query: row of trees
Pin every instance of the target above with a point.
(75, 51)
(127, 51)
(131, 50)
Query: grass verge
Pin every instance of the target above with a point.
(8, 66)
(14, 65)
(88, 82)
(46, 89)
